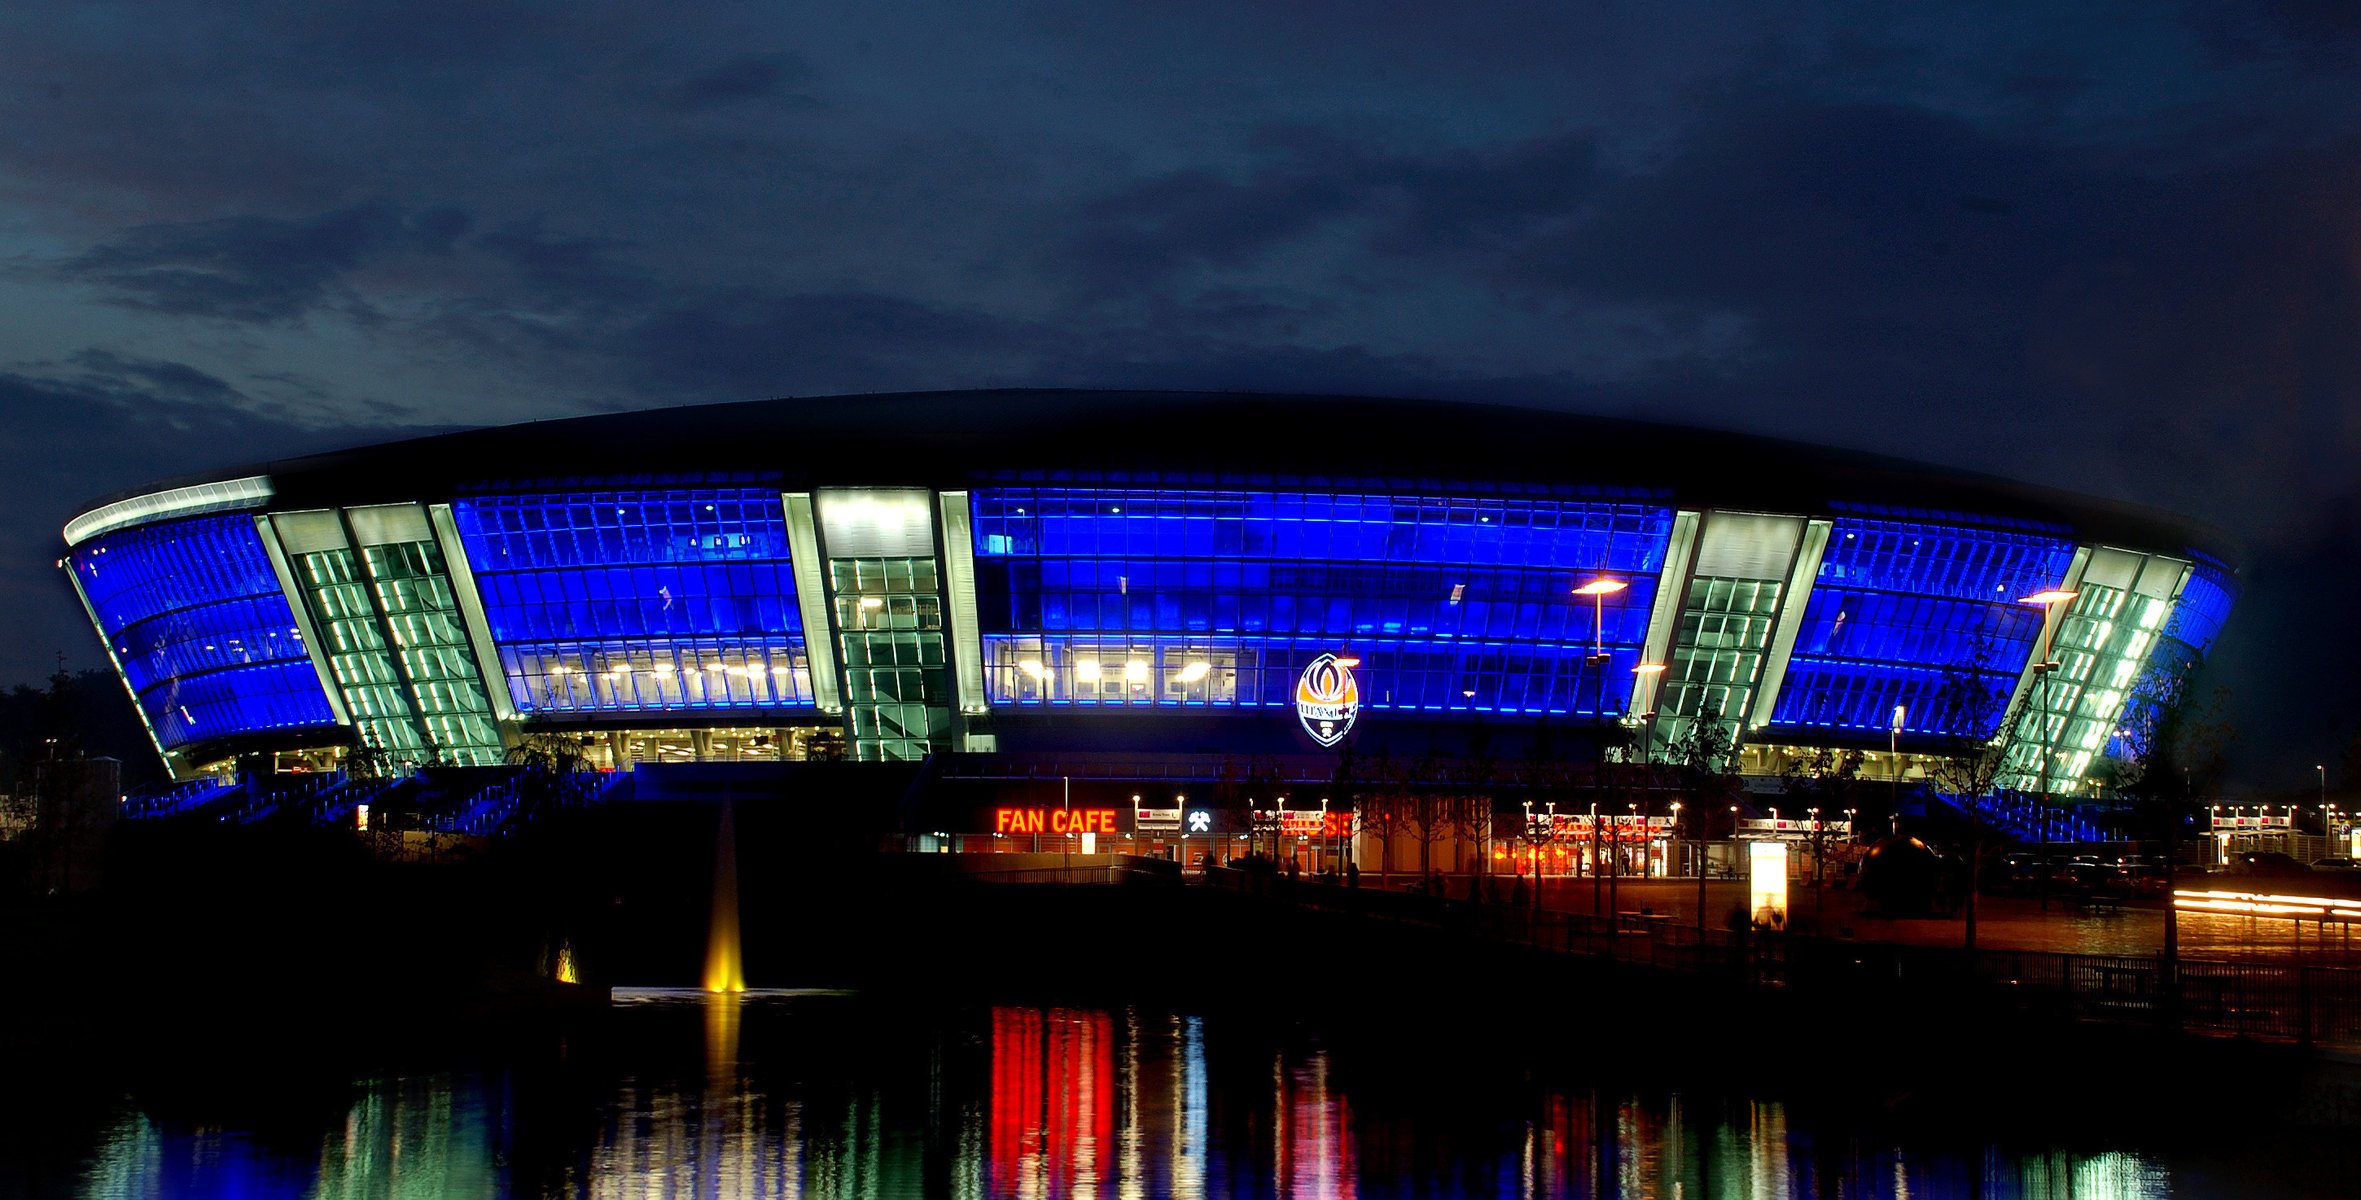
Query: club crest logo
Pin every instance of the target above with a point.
(1327, 698)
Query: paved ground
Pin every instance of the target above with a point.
(2003, 922)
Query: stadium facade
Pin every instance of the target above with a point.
(1082, 577)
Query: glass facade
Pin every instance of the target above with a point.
(629, 601)
(2072, 713)
(889, 619)
(1718, 655)
(413, 592)
(207, 640)
(1105, 596)
(354, 638)
(1900, 610)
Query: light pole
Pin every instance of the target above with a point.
(1894, 770)
(1324, 855)
(2048, 599)
(1598, 590)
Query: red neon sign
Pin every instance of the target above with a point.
(1053, 820)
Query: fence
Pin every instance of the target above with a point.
(2285, 1001)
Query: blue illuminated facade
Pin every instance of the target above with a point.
(639, 601)
(203, 631)
(1197, 598)
(1909, 615)
(1048, 574)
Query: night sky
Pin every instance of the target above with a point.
(2111, 248)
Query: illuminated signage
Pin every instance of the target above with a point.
(1308, 824)
(1152, 820)
(1767, 883)
(1053, 820)
(2256, 822)
(1327, 698)
(1577, 826)
(1200, 821)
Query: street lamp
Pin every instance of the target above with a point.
(1598, 590)
(2048, 599)
(1894, 768)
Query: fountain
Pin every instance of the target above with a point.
(725, 969)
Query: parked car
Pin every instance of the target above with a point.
(2336, 864)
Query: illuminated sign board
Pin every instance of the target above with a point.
(1577, 826)
(1327, 699)
(1200, 821)
(1053, 820)
(2258, 822)
(1767, 883)
(1151, 820)
(1309, 823)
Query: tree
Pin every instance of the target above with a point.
(1378, 808)
(1982, 725)
(1701, 757)
(2172, 748)
(549, 766)
(1427, 812)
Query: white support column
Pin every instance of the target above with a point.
(959, 612)
(489, 669)
(811, 600)
(1664, 617)
(1792, 599)
(305, 627)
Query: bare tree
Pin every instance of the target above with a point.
(1702, 757)
(1982, 723)
(1427, 812)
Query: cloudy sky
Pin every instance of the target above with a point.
(2108, 247)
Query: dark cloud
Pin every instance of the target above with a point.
(94, 426)
(754, 77)
(256, 268)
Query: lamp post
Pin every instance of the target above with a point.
(2048, 599)
(1598, 590)
(1894, 770)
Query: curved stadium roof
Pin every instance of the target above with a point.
(1213, 438)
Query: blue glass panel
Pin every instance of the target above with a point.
(614, 600)
(205, 635)
(1899, 607)
(2204, 605)
(1439, 597)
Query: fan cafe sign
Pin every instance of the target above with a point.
(1327, 698)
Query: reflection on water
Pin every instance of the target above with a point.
(827, 1094)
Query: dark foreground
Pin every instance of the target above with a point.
(1314, 1093)
(243, 1017)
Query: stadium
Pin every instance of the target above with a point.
(1060, 613)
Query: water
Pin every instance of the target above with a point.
(836, 1094)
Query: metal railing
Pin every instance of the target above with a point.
(2273, 1000)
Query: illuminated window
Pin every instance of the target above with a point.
(205, 635)
(639, 600)
(1130, 597)
(1915, 616)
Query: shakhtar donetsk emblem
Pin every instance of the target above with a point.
(1327, 699)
